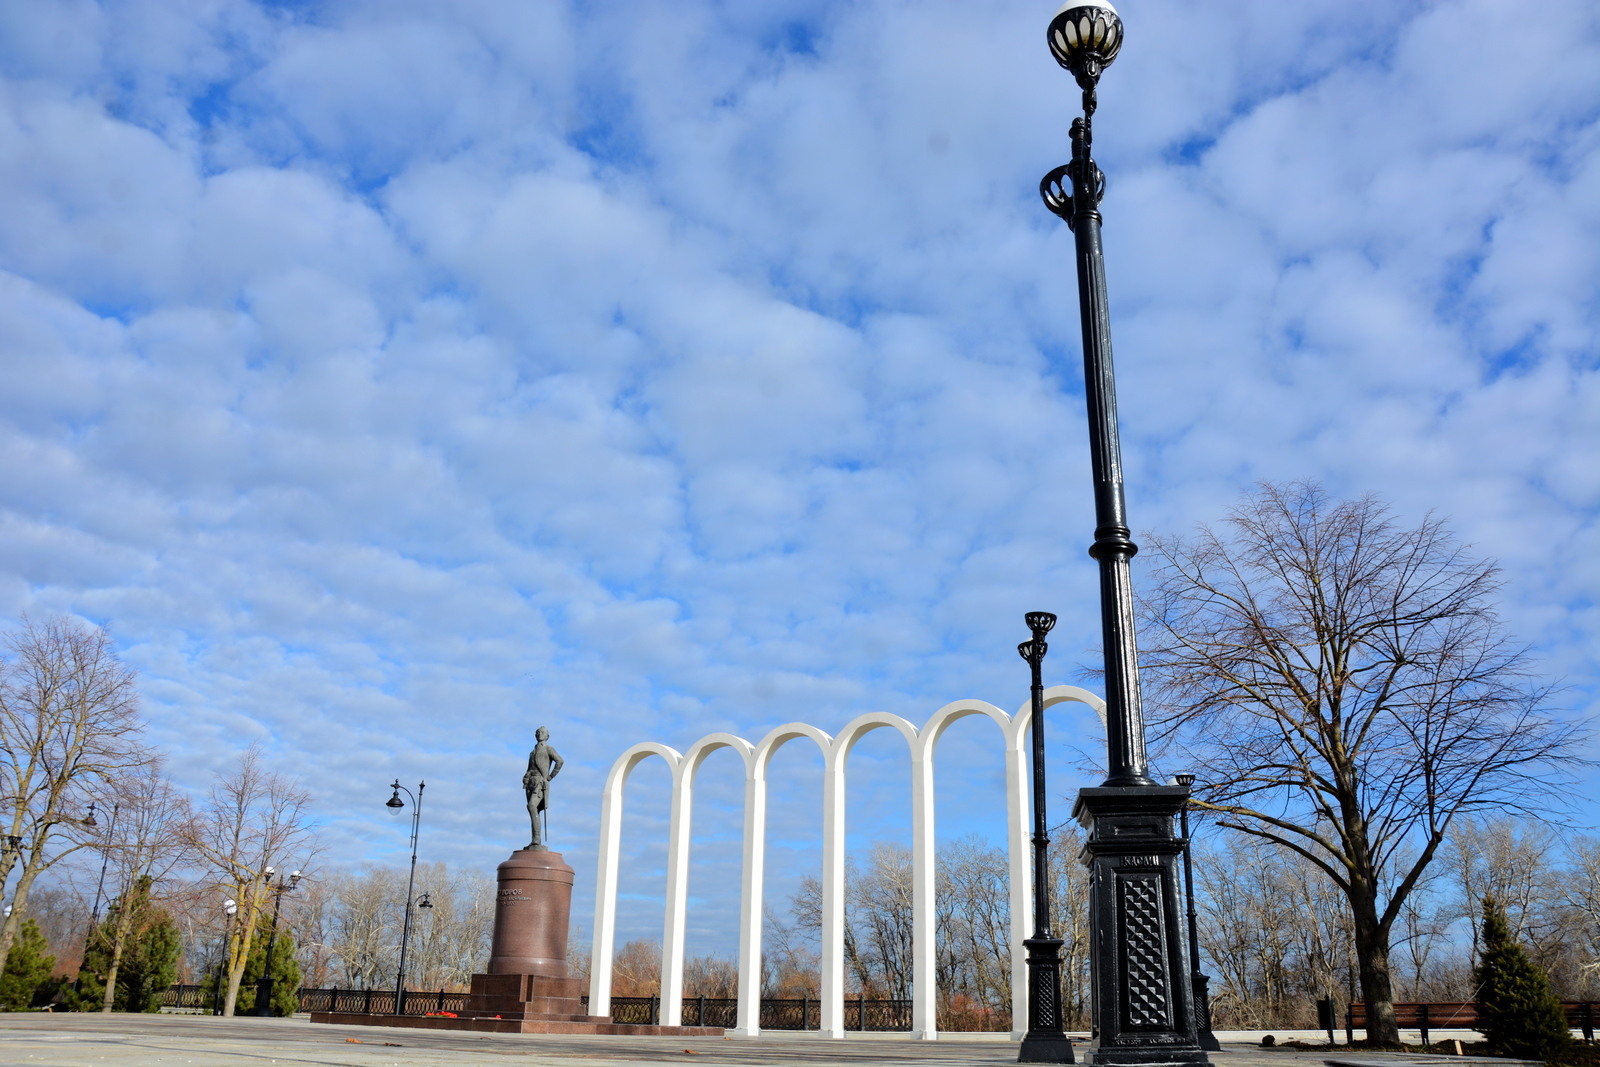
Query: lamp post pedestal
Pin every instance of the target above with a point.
(1045, 1042)
(1144, 1007)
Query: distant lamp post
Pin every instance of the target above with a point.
(263, 1005)
(1045, 1041)
(230, 908)
(394, 804)
(105, 858)
(1202, 995)
(1143, 1011)
(99, 889)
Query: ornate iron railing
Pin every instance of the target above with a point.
(777, 1013)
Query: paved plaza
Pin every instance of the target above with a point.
(71, 1040)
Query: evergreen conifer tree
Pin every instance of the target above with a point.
(285, 972)
(27, 969)
(1518, 1012)
(149, 962)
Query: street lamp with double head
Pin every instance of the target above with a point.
(394, 804)
(263, 1004)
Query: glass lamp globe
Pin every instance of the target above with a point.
(1085, 36)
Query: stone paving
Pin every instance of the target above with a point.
(81, 1040)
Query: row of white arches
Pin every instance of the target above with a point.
(921, 745)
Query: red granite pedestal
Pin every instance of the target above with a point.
(526, 989)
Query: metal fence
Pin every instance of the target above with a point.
(801, 1013)
(363, 1001)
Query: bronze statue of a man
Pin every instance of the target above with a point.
(544, 763)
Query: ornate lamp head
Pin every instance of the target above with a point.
(394, 803)
(1085, 36)
(1040, 622)
(1186, 780)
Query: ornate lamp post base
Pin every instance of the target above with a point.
(1044, 1042)
(1144, 1008)
(1202, 1016)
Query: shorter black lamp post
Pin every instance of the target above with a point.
(99, 889)
(105, 858)
(230, 908)
(1045, 1041)
(1202, 995)
(394, 804)
(264, 983)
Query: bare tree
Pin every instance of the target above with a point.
(975, 938)
(1513, 861)
(151, 838)
(254, 820)
(790, 967)
(1581, 895)
(636, 969)
(361, 925)
(1275, 931)
(1347, 690)
(69, 724)
(450, 939)
(1069, 903)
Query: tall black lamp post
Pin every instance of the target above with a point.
(1045, 1042)
(264, 983)
(1143, 1003)
(1202, 995)
(394, 804)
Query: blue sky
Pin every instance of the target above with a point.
(393, 378)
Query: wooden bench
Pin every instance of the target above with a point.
(1458, 1015)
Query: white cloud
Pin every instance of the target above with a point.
(397, 377)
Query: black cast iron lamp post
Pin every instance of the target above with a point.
(1202, 995)
(1143, 1010)
(263, 1004)
(1045, 1042)
(105, 859)
(394, 804)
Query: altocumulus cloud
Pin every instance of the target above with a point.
(393, 378)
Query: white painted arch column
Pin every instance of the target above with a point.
(921, 750)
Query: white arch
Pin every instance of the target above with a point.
(605, 882)
(1018, 848)
(833, 796)
(921, 747)
(1018, 856)
(755, 865)
(672, 936)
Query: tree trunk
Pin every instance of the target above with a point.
(111, 976)
(1372, 957)
(19, 907)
